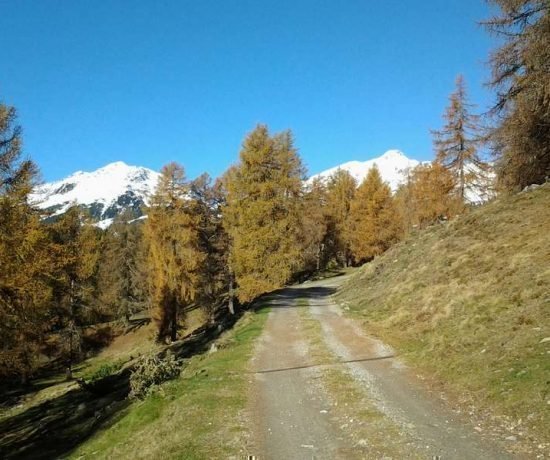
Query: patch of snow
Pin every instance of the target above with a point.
(105, 223)
(138, 219)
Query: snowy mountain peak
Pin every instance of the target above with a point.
(392, 165)
(393, 155)
(105, 192)
(115, 164)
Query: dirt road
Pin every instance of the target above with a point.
(299, 413)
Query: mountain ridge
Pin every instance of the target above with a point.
(116, 187)
(392, 164)
(105, 192)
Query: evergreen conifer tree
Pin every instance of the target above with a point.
(75, 250)
(121, 278)
(207, 201)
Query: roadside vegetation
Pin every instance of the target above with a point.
(197, 415)
(469, 302)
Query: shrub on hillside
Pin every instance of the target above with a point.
(150, 372)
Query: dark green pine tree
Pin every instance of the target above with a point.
(207, 201)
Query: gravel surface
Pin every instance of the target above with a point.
(290, 414)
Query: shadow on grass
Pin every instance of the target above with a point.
(55, 427)
(13, 392)
(53, 372)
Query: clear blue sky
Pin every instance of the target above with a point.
(147, 82)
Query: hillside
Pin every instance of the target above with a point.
(464, 304)
(469, 302)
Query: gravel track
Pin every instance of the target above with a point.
(289, 412)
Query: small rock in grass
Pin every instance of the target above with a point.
(511, 438)
(520, 373)
(546, 339)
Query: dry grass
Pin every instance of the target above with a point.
(141, 341)
(124, 349)
(469, 301)
(133, 343)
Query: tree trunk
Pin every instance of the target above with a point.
(174, 322)
(69, 371)
(230, 304)
(318, 264)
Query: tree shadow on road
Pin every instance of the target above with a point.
(286, 298)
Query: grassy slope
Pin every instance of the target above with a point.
(122, 350)
(469, 301)
(194, 416)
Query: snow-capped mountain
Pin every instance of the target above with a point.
(392, 166)
(117, 187)
(106, 192)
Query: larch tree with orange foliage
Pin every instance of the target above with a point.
(373, 224)
(262, 215)
(175, 255)
(428, 196)
(457, 147)
(341, 188)
(521, 79)
(25, 263)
